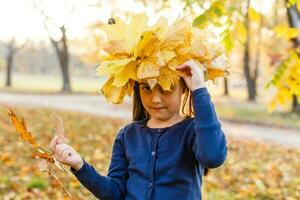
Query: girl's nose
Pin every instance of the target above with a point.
(156, 96)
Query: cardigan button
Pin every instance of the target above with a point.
(150, 185)
(153, 153)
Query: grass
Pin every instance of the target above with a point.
(255, 113)
(252, 170)
(37, 182)
(37, 83)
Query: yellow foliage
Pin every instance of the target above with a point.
(136, 52)
(285, 32)
(167, 76)
(124, 36)
(116, 94)
(122, 76)
(254, 15)
(287, 83)
(241, 32)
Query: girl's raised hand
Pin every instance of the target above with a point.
(193, 74)
(65, 154)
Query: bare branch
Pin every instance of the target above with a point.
(45, 19)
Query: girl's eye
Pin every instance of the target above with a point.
(161, 90)
(146, 88)
(173, 87)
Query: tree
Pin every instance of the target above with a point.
(286, 78)
(251, 72)
(60, 45)
(251, 83)
(294, 21)
(12, 49)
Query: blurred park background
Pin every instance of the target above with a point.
(49, 51)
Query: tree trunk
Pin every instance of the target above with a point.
(62, 52)
(251, 80)
(257, 56)
(12, 49)
(9, 63)
(60, 47)
(64, 66)
(226, 93)
(294, 21)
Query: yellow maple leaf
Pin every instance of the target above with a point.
(112, 66)
(175, 62)
(122, 76)
(214, 73)
(166, 55)
(204, 46)
(167, 78)
(160, 28)
(136, 52)
(126, 35)
(116, 94)
(148, 68)
(176, 34)
(146, 46)
(151, 82)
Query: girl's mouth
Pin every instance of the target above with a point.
(157, 108)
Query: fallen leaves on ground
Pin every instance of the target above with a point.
(252, 171)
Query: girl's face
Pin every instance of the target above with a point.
(161, 105)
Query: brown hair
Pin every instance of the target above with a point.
(140, 113)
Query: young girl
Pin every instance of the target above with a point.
(161, 155)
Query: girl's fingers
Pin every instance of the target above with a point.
(185, 69)
(56, 140)
(190, 65)
(181, 67)
(59, 150)
(193, 66)
(53, 143)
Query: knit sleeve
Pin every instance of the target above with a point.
(112, 186)
(209, 145)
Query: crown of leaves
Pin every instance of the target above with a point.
(138, 52)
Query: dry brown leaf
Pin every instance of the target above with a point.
(21, 128)
(45, 156)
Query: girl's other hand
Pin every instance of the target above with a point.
(193, 74)
(65, 154)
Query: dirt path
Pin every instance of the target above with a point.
(98, 106)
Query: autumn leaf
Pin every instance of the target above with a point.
(177, 34)
(214, 73)
(21, 128)
(40, 151)
(123, 37)
(116, 94)
(45, 156)
(168, 78)
(285, 32)
(285, 81)
(149, 68)
(147, 45)
(112, 66)
(136, 52)
(125, 73)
